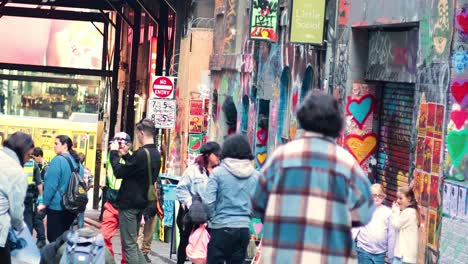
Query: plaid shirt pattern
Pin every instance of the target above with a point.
(312, 193)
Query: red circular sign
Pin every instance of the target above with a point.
(163, 87)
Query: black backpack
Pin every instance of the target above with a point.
(75, 197)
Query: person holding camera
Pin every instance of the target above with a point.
(132, 197)
(110, 218)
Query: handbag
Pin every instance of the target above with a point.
(155, 194)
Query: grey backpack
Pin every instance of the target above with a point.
(84, 246)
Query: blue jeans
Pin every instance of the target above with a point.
(80, 220)
(365, 257)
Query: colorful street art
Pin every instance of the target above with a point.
(264, 17)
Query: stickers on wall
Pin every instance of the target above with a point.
(434, 192)
(195, 143)
(431, 230)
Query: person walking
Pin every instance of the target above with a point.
(16, 151)
(228, 197)
(132, 198)
(312, 191)
(377, 239)
(87, 177)
(38, 223)
(405, 220)
(110, 217)
(56, 182)
(193, 182)
(34, 192)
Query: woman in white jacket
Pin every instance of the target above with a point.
(405, 219)
(17, 149)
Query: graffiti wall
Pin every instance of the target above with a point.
(454, 223)
(410, 42)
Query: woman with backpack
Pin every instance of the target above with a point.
(56, 182)
(193, 183)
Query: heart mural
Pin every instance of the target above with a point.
(360, 109)
(262, 136)
(457, 145)
(459, 117)
(462, 21)
(361, 147)
(459, 89)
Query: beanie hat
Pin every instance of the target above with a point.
(237, 146)
(210, 147)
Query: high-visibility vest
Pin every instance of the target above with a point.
(112, 181)
(29, 170)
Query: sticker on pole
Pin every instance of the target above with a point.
(162, 87)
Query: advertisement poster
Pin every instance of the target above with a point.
(425, 190)
(420, 150)
(194, 143)
(453, 201)
(307, 21)
(264, 20)
(206, 107)
(439, 122)
(196, 124)
(431, 230)
(205, 123)
(431, 114)
(428, 143)
(196, 107)
(446, 199)
(434, 191)
(422, 120)
(417, 182)
(436, 152)
(45, 138)
(462, 203)
(12, 129)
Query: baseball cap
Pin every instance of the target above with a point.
(122, 136)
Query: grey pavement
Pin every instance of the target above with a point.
(159, 250)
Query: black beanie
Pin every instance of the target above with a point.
(236, 147)
(211, 147)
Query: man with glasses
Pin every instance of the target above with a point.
(110, 218)
(132, 198)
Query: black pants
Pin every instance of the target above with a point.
(5, 257)
(57, 223)
(38, 224)
(185, 229)
(228, 244)
(28, 214)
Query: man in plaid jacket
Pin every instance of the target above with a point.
(312, 192)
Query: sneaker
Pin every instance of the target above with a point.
(40, 244)
(147, 258)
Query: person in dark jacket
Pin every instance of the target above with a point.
(133, 194)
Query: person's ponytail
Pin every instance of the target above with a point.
(75, 156)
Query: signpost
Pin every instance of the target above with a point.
(162, 112)
(162, 87)
(307, 21)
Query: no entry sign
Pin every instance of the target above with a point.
(162, 87)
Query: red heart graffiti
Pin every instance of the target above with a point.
(462, 20)
(459, 117)
(262, 136)
(459, 91)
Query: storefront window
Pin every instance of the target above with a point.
(48, 95)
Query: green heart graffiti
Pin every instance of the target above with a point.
(457, 144)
